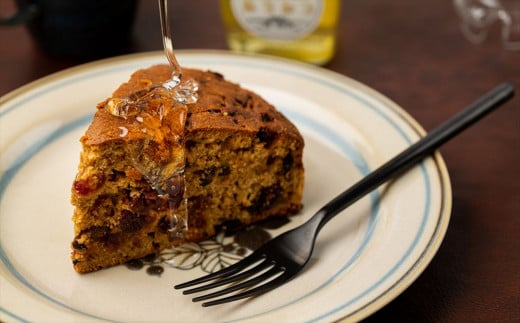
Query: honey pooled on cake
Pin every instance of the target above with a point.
(171, 173)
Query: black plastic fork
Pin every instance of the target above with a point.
(280, 259)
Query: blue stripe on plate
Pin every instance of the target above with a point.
(329, 134)
(59, 84)
(4, 183)
(12, 315)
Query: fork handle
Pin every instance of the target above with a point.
(416, 152)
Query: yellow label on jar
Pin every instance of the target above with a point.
(298, 29)
(278, 19)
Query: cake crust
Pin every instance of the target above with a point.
(220, 105)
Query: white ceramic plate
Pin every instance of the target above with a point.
(364, 258)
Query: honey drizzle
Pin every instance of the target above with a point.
(166, 177)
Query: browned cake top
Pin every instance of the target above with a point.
(221, 105)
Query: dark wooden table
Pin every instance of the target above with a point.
(415, 54)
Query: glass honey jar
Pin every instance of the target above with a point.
(300, 29)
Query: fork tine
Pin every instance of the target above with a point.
(280, 280)
(230, 270)
(232, 278)
(248, 283)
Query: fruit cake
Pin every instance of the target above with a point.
(167, 173)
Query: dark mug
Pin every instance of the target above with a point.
(77, 28)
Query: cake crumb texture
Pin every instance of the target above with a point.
(243, 164)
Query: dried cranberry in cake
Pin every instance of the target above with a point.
(88, 185)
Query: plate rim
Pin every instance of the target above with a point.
(418, 266)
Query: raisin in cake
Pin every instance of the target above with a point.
(242, 162)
